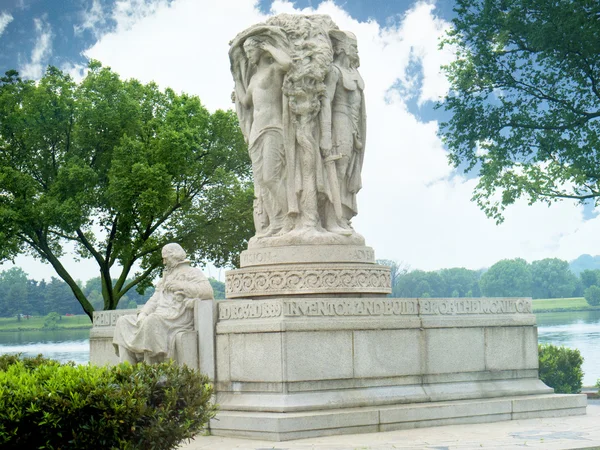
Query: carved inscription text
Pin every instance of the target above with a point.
(258, 309)
(109, 318)
(461, 306)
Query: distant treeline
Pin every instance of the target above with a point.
(546, 278)
(21, 295)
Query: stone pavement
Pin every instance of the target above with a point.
(578, 432)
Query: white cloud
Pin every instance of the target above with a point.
(41, 52)
(93, 18)
(413, 207)
(5, 19)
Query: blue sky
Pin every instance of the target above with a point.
(413, 207)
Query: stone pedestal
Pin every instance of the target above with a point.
(316, 348)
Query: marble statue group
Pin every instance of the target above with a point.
(299, 99)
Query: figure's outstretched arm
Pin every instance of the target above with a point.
(280, 57)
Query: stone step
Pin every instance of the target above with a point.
(298, 425)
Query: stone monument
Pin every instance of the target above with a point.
(308, 343)
(173, 324)
(150, 334)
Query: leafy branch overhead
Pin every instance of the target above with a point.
(525, 99)
(118, 168)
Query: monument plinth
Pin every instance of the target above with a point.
(308, 343)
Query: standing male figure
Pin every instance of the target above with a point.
(151, 334)
(343, 129)
(262, 99)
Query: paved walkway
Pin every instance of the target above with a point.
(579, 432)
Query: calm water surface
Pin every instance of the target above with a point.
(62, 345)
(579, 330)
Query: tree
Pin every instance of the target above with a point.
(14, 293)
(59, 298)
(397, 270)
(118, 168)
(525, 100)
(419, 283)
(460, 282)
(552, 278)
(507, 278)
(592, 296)
(590, 278)
(218, 288)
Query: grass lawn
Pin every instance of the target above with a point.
(37, 323)
(549, 304)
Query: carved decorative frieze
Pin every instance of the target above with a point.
(308, 279)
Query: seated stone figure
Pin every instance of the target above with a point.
(150, 336)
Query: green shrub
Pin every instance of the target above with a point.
(560, 368)
(51, 321)
(592, 295)
(44, 404)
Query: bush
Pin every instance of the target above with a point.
(560, 368)
(45, 404)
(592, 295)
(51, 321)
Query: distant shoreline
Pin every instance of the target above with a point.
(554, 310)
(12, 330)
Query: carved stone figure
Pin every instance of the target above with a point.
(150, 335)
(260, 107)
(300, 104)
(343, 130)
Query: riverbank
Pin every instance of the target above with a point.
(36, 323)
(543, 305)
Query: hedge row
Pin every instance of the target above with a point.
(48, 405)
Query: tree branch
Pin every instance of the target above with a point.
(137, 280)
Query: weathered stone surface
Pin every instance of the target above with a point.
(300, 103)
(307, 254)
(387, 353)
(302, 279)
(332, 360)
(151, 334)
(256, 357)
(287, 426)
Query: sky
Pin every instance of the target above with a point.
(414, 208)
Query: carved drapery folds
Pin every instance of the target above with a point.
(300, 103)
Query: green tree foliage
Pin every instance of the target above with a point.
(460, 282)
(525, 99)
(218, 288)
(419, 283)
(397, 270)
(44, 404)
(14, 293)
(41, 298)
(552, 278)
(51, 321)
(560, 368)
(590, 278)
(592, 295)
(143, 166)
(507, 278)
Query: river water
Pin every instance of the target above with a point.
(579, 330)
